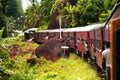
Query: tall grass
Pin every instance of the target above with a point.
(72, 68)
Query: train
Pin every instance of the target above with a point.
(77, 36)
(113, 27)
(96, 35)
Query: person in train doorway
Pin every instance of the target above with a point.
(106, 58)
(87, 56)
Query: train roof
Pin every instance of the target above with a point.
(85, 28)
(71, 29)
(56, 30)
(91, 27)
(43, 31)
(77, 29)
(52, 30)
(31, 29)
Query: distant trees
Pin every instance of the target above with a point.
(74, 13)
(85, 12)
(3, 20)
(2, 13)
(109, 4)
(9, 9)
(14, 8)
(39, 13)
(88, 11)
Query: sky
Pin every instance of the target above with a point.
(25, 4)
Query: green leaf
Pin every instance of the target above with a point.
(1, 32)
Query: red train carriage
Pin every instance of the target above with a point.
(29, 33)
(93, 34)
(112, 34)
(51, 34)
(44, 35)
(92, 43)
(69, 34)
(106, 33)
(55, 33)
(37, 37)
(83, 35)
(115, 48)
(65, 35)
(40, 36)
(96, 42)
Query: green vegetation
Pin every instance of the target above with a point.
(14, 8)
(80, 14)
(72, 68)
(38, 14)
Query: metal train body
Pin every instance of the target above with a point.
(77, 36)
(95, 35)
(112, 34)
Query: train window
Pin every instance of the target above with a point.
(97, 44)
(71, 38)
(82, 40)
(78, 40)
(67, 37)
(91, 42)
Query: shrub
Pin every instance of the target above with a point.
(21, 76)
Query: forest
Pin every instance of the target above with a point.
(40, 14)
(44, 14)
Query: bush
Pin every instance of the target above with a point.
(21, 76)
(4, 55)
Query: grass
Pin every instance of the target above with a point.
(72, 68)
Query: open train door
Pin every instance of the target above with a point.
(117, 54)
(115, 48)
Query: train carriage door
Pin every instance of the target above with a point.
(92, 46)
(117, 54)
(115, 48)
(88, 39)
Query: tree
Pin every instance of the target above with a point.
(39, 13)
(2, 13)
(57, 10)
(88, 11)
(104, 15)
(3, 19)
(14, 8)
(109, 4)
(68, 15)
(34, 15)
(45, 8)
(82, 13)
(75, 12)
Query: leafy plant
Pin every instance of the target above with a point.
(4, 72)
(1, 32)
